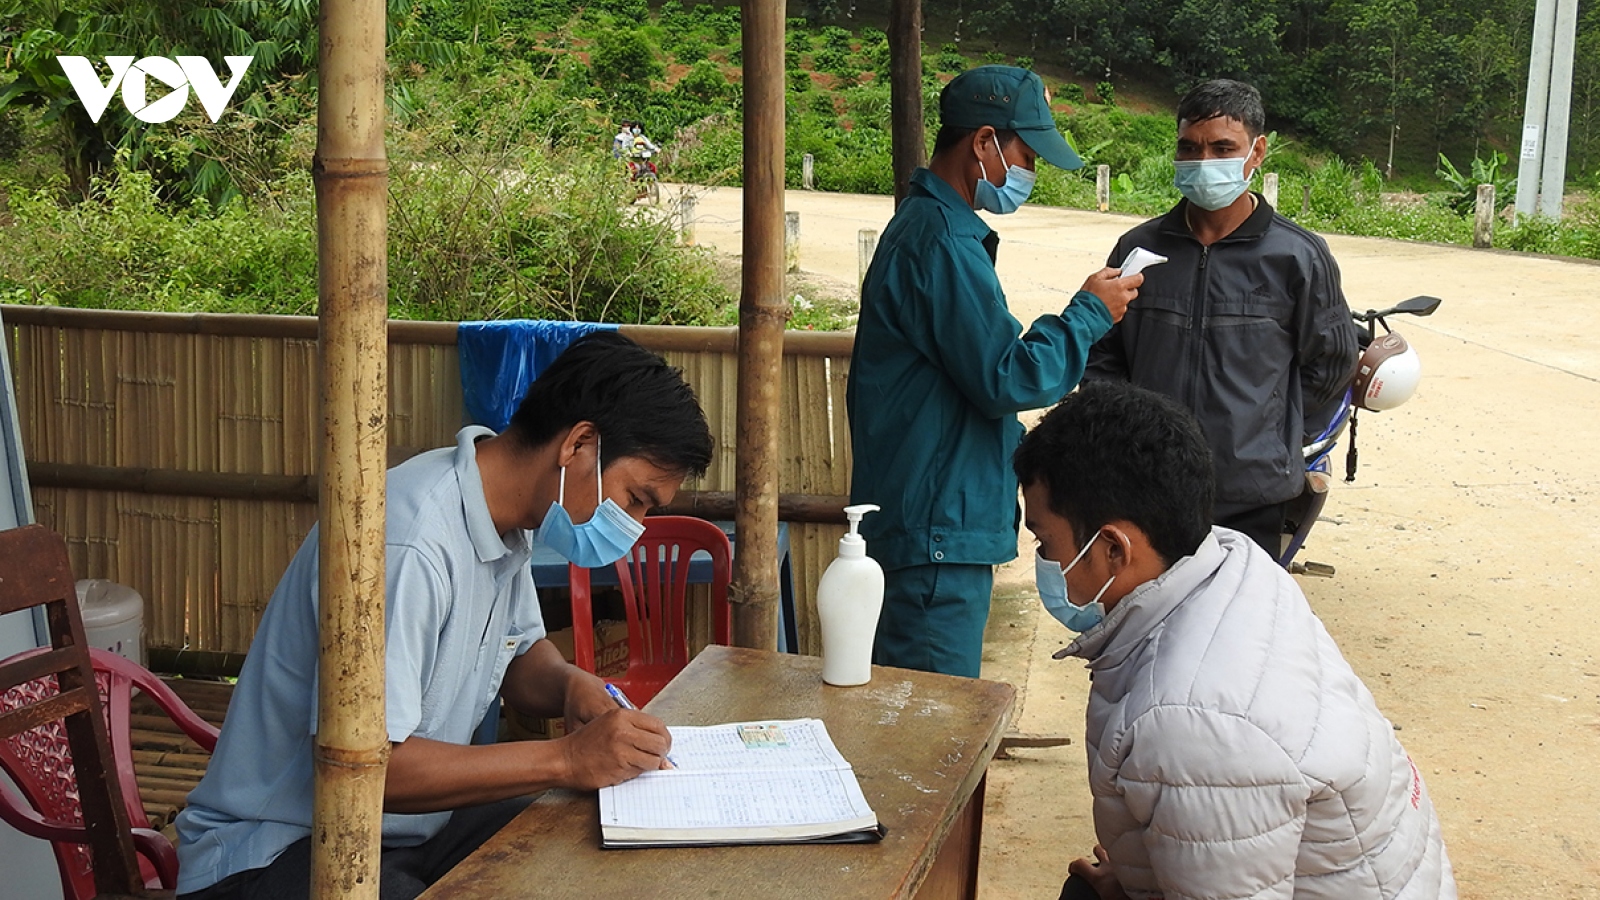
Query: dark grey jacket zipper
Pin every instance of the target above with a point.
(1196, 330)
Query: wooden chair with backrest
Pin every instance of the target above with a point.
(654, 579)
(46, 787)
(55, 742)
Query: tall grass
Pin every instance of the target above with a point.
(557, 239)
(494, 212)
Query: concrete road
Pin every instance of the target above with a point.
(1465, 592)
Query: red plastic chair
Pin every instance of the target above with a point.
(40, 762)
(37, 747)
(654, 578)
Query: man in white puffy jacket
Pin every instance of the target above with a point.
(1232, 750)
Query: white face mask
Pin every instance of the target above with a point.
(1051, 579)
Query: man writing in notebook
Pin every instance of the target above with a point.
(606, 433)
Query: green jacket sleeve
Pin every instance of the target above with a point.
(975, 339)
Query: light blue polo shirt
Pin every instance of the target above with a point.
(461, 604)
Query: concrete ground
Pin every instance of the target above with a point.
(1464, 552)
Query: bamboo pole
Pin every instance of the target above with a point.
(351, 174)
(762, 314)
(792, 507)
(660, 338)
(822, 508)
(908, 145)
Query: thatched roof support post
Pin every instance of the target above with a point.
(351, 173)
(762, 316)
(909, 145)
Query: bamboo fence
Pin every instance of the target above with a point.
(176, 452)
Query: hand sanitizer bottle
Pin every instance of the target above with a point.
(849, 598)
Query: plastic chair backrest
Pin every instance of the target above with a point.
(654, 579)
(40, 761)
(52, 719)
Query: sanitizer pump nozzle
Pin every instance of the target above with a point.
(852, 546)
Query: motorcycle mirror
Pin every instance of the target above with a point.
(1419, 306)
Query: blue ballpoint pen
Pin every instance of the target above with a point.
(617, 695)
(623, 701)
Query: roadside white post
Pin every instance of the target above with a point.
(1305, 202)
(808, 172)
(1269, 188)
(686, 217)
(791, 241)
(1483, 224)
(866, 246)
(1102, 187)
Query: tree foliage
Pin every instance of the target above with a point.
(1347, 76)
(280, 35)
(1342, 73)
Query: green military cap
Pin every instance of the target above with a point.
(1008, 99)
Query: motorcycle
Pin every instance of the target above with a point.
(643, 173)
(1365, 392)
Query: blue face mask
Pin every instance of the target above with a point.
(1051, 578)
(1211, 183)
(1006, 198)
(607, 537)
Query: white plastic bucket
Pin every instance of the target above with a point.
(113, 617)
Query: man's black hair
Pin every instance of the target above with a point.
(641, 406)
(1227, 98)
(1115, 452)
(952, 135)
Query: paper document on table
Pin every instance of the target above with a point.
(741, 783)
(1139, 259)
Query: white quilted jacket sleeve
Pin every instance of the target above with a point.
(1207, 807)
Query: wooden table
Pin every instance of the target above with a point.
(919, 743)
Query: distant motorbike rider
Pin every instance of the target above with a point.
(640, 149)
(622, 141)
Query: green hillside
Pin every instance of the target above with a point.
(506, 201)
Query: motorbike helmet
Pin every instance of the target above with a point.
(1387, 374)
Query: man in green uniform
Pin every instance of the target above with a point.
(941, 368)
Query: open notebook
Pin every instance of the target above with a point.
(777, 782)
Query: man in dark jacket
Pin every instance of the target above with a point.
(941, 368)
(1245, 325)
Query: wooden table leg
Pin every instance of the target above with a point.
(954, 875)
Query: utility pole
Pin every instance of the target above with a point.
(1553, 174)
(1536, 141)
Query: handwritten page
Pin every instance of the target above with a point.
(747, 746)
(742, 782)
